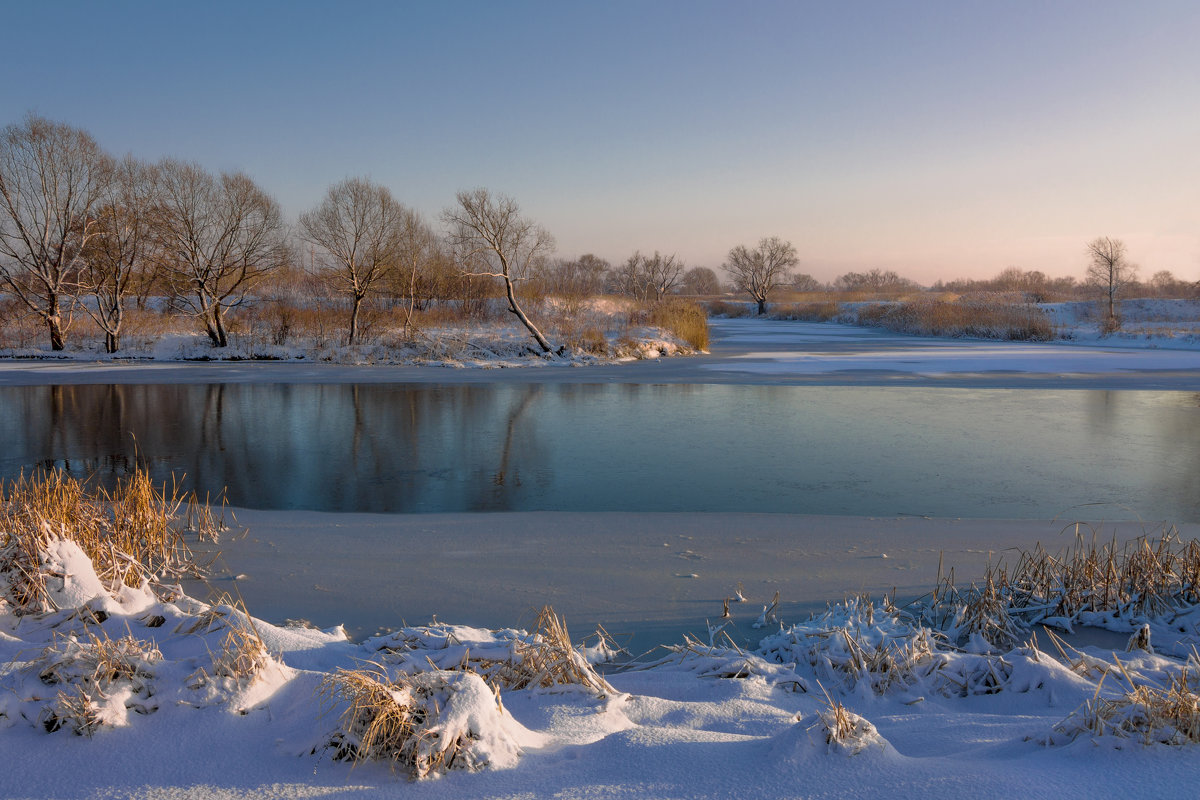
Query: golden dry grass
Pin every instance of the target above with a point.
(684, 319)
(89, 667)
(398, 721)
(981, 316)
(131, 534)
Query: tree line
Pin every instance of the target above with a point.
(84, 232)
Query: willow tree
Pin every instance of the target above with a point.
(491, 238)
(217, 237)
(757, 272)
(51, 179)
(121, 251)
(365, 235)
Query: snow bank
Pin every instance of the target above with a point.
(161, 708)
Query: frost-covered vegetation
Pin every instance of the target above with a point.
(170, 260)
(98, 640)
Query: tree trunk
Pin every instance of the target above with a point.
(355, 302)
(112, 342)
(214, 326)
(54, 323)
(762, 305)
(516, 309)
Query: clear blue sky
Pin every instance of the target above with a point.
(940, 139)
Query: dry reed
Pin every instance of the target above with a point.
(91, 667)
(1153, 715)
(131, 533)
(400, 721)
(1145, 578)
(683, 319)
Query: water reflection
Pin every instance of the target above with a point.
(834, 450)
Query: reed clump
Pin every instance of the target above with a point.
(858, 642)
(684, 319)
(983, 316)
(413, 723)
(103, 679)
(131, 534)
(1152, 715)
(549, 659)
(844, 731)
(1144, 578)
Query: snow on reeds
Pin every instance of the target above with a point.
(544, 660)
(131, 536)
(98, 680)
(423, 724)
(1145, 713)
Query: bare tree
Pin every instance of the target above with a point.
(626, 277)
(803, 282)
(419, 250)
(493, 239)
(875, 280)
(120, 253)
(361, 228)
(644, 277)
(573, 281)
(51, 176)
(217, 237)
(700, 281)
(1110, 269)
(661, 274)
(759, 271)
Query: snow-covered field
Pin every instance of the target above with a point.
(1146, 322)
(1158, 336)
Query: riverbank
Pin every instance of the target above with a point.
(647, 578)
(192, 700)
(742, 351)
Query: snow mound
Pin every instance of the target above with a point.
(831, 731)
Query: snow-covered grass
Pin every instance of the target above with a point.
(144, 691)
(600, 330)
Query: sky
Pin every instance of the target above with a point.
(939, 139)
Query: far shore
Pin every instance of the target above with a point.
(743, 351)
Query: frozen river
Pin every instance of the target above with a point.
(636, 488)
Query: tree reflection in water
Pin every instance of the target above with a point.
(626, 447)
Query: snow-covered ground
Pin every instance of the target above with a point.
(742, 350)
(181, 712)
(1146, 322)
